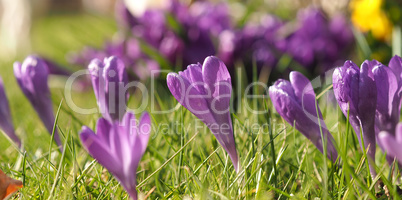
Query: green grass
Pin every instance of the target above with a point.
(277, 162)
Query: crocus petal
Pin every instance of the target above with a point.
(398, 133)
(109, 79)
(367, 108)
(193, 73)
(144, 131)
(6, 123)
(387, 86)
(218, 81)
(356, 93)
(391, 146)
(304, 91)
(119, 146)
(388, 102)
(187, 95)
(139, 138)
(288, 105)
(98, 149)
(115, 76)
(396, 65)
(94, 69)
(346, 86)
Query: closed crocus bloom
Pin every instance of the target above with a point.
(295, 101)
(392, 142)
(32, 77)
(119, 147)
(388, 96)
(109, 79)
(356, 93)
(205, 90)
(6, 123)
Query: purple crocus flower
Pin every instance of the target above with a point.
(388, 83)
(389, 94)
(312, 41)
(198, 46)
(356, 93)
(392, 142)
(6, 123)
(318, 42)
(253, 43)
(152, 28)
(295, 101)
(205, 90)
(201, 22)
(32, 77)
(108, 81)
(119, 147)
(207, 16)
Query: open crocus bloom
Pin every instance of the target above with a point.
(119, 147)
(205, 90)
(356, 93)
(32, 77)
(295, 101)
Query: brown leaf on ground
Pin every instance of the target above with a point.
(8, 186)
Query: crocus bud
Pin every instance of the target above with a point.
(356, 93)
(295, 101)
(109, 79)
(32, 77)
(6, 123)
(119, 146)
(205, 91)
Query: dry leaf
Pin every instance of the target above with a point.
(8, 186)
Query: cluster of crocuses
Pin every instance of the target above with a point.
(370, 96)
(120, 140)
(183, 34)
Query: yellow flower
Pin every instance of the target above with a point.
(368, 16)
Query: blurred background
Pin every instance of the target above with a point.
(265, 38)
(56, 29)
